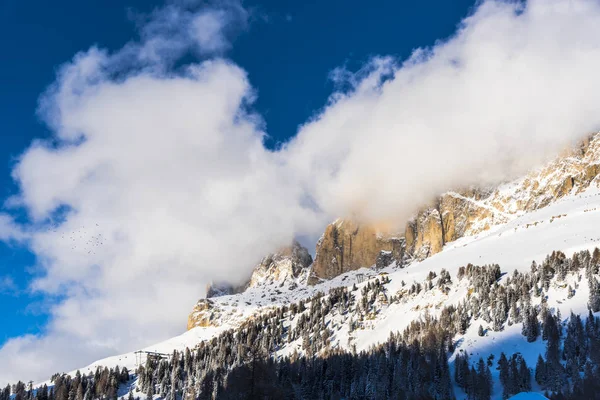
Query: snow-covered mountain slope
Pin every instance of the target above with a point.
(346, 244)
(469, 212)
(528, 396)
(569, 225)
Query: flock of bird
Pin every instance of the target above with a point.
(80, 239)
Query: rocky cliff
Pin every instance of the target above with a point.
(470, 212)
(223, 289)
(346, 245)
(204, 314)
(287, 267)
(452, 216)
(283, 267)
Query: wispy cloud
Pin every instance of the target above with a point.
(189, 26)
(8, 286)
(515, 84)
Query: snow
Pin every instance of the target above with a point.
(528, 396)
(188, 339)
(569, 225)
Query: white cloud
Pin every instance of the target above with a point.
(11, 231)
(169, 188)
(8, 285)
(513, 86)
(189, 26)
(207, 29)
(163, 183)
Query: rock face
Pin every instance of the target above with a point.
(282, 267)
(573, 172)
(286, 267)
(346, 246)
(425, 234)
(223, 289)
(457, 214)
(204, 314)
(451, 217)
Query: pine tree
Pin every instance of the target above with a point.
(524, 376)
(575, 349)
(461, 370)
(594, 297)
(150, 391)
(533, 327)
(500, 314)
(79, 394)
(515, 315)
(589, 385)
(89, 395)
(125, 375)
(485, 380)
(554, 370)
(540, 371)
(504, 375)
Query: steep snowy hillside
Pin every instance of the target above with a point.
(568, 225)
(466, 261)
(410, 293)
(528, 396)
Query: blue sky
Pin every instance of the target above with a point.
(181, 148)
(288, 51)
(37, 38)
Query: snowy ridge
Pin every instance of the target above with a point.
(572, 173)
(570, 225)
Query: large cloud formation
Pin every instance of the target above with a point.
(157, 181)
(515, 84)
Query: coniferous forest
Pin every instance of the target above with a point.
(417, 363)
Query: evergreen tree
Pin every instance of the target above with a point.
(540, 372)
(594, 297)
(554, 369)
(150, 392)
(575, 349)
(524, 376)
(504, 375)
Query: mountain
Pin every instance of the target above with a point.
(507, 273)
(346, 245)
(287, 267)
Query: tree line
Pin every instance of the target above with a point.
(412, 364)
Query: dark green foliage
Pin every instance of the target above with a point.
(411, 364)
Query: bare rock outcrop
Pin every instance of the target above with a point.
(223, 289)
(282, 267)
(287, 266)
(204, 314)
(458, 214)
(347, 246)
(425, 234)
